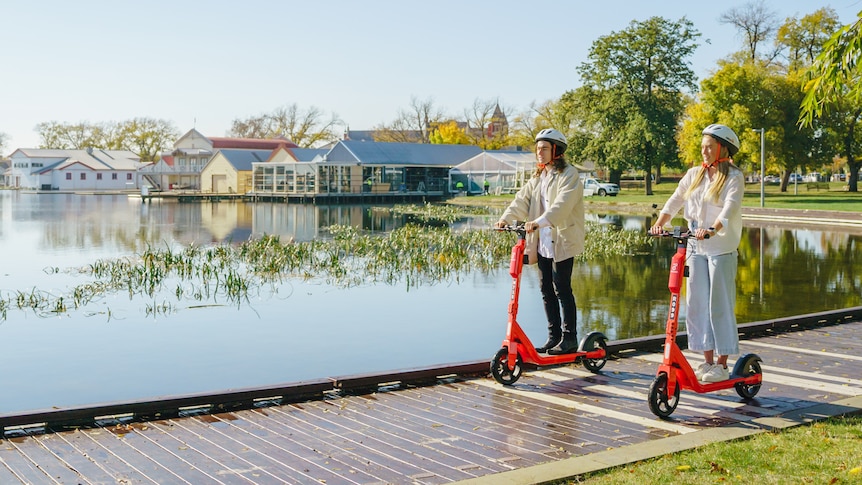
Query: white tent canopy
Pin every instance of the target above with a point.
(506, 171)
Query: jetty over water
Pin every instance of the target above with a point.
(445, 424)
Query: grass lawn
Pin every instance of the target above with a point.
(827, 452)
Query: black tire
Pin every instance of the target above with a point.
(500, 368)
(659, 402)
(603, 192)
(593, 341)
(747, 365)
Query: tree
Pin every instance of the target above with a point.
(146, 137)
(756, 22)
(449, 133)
(752, 95)
(305, 127)
(70, 136)
(412, 125)
(802, 39)
(3, 140)
(636, 80)
(832, 88)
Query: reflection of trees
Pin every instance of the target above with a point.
(796, 279)
(619, 295)
(626, 297)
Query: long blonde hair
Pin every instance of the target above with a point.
(721, 173)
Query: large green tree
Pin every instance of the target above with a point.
(833, 90)
(750, 96)
(638, 78)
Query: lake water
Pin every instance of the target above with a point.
(114, 350)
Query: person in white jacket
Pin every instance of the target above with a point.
(552, 205)
(711, 196)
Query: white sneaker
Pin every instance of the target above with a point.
(701, 369)
(716, 373)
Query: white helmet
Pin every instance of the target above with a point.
(553, 136)
(725, 136)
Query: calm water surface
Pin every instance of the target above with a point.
(113, 350)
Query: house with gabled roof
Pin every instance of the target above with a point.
(181, 167)
(90, 169)
(229, 171)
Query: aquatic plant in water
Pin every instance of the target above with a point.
(413, 254)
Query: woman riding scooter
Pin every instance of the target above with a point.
(552, 203)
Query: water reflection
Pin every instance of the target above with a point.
(292, 334)
(782, 270)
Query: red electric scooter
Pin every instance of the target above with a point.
(517, 349)
(675, 373)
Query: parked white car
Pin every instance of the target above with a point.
(595, 187)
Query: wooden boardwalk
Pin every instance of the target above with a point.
(458, 429)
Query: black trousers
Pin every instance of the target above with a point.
(555, 280)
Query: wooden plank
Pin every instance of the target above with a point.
(124, 454)
(182, 454)
(348, 439)
(283, 450)
(49, 463)
(433, 411)
(222, 446)
(403, 428)
(90, 470)
(285, 432)
(19, 465)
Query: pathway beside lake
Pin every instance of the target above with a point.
(553, 423)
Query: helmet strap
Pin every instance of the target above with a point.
(716, 162)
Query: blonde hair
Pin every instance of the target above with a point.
(722, 170)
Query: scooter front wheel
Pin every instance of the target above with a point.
(660, 403)
(500, 368)
(748, 365)
(594, 341)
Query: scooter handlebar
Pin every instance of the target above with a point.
(677, 233)
(516, 227)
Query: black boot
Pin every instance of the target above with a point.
(553, 340)
(568, 345)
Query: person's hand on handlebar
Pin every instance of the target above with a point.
(701, 233)
(500, 224)
(656, 229)
(531, 226)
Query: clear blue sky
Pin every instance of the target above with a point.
(204, 64)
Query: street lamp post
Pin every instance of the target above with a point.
(762, 162)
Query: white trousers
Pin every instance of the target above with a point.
(710, 301)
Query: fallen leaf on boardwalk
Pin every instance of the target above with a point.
(436, 425)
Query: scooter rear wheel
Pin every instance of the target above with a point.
(660, 403)
(594, 341)
(500, 368)
(747, 365)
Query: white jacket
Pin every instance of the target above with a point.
(565, 214)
